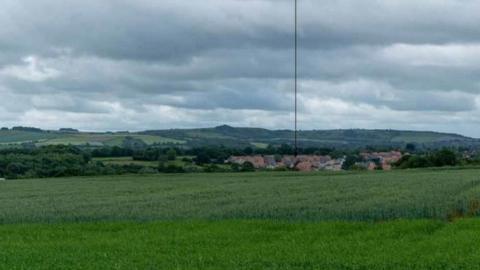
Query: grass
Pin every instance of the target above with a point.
(106, 139)
(81, 139)
(129, 160)
(126, 161)
(280, 196)
(260, 145)
(425, 137)
(8, 137)
(380, 220)
(18, 137)
(241, 244)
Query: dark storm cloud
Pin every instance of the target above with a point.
(121, 63)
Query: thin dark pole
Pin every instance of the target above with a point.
(296, 78)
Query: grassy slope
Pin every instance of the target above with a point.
(339, 138)
(242, 245)
(54, 138)
(154, 164)
(106, 139)
(126, 161)
(281, 196)
(241, 137)
(12, 137)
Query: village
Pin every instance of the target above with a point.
(308, 163)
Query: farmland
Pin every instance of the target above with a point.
(279, 196)
(237, 137)
(126, 161)
(413, 219)
(41, 138)
(129, 160)
(242, 245)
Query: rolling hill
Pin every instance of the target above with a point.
(237, 137)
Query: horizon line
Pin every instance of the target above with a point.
(236, 127)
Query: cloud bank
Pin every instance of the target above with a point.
(145, 64)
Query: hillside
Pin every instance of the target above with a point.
(237, 137)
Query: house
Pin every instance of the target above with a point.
(367, 165)
(257, 161)
(270, 162)
(289, 161)
(304, 166)
(301, 163)
(333, 165)
(382, 160)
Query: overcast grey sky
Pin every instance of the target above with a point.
(154, 64)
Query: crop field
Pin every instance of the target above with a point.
(126, 161)
(279, 196)
(417, 219)
(12, 137)
(154, 164)
(106, 139)
(242, 245)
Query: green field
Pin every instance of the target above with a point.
(12, 137)
(154, 164)
(234, 137)
(105, 139)
(279, 196)
(126, 161)
(418, 219)
(17, 137)
(242, 245)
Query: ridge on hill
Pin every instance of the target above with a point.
(237, 137)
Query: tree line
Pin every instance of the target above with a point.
(56, 161)
(63, 161)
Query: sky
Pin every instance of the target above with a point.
(155, 64)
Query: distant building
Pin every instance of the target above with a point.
(377, 160)
(257, 161)
(304, 163)
(308, 163)
(270, 162)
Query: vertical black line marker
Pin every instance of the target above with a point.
(296, 79)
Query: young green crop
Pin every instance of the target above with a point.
(437, 194)
(241, 244)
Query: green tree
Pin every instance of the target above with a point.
(444, 157)
(350, 161)
(410, 147)
(171, 154)
(202, 158)
(248, 167)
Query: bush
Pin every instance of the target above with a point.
(171, 154)
(171, 168)
(443, 158)
(414, 162)
(148, 170)
(187, 160)
(213, 168)
(248, 167)
(191, 169)
(235, 167)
